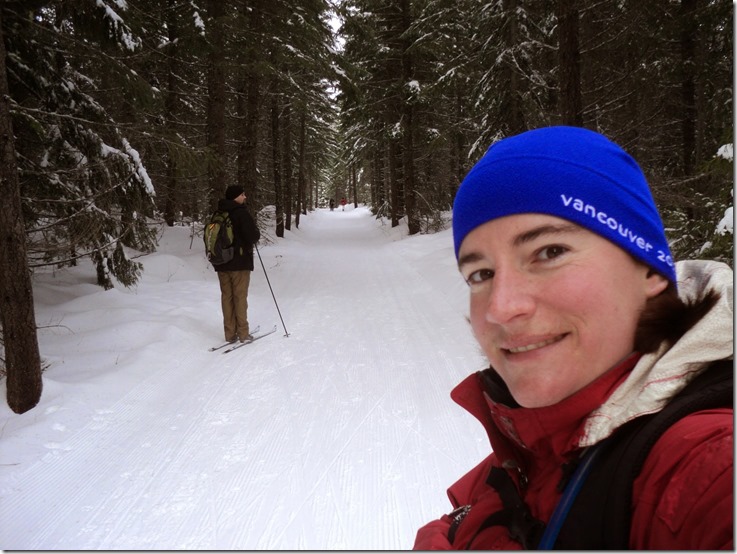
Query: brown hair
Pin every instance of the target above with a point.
(667, 318)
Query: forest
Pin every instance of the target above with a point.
(120, 115)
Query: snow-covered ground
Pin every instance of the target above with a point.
(340, 436)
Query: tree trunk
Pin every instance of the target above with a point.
(170, 108)
(287, 165)
(313, 188)
(408, 167)
(378, 189)
(354, 185)
(276, 164)
(688, 83)
(301, 170)
(22, 359)
(394, 182)
(458, 146)
(408, 123)
(514, 112)
(216, 80)
(569, 64)
(251, 98)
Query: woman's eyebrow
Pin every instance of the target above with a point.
(469, 258)
(547, 229)
(526, 236)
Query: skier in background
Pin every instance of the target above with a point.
(235, 275)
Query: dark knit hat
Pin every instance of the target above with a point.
(233, 192)
(571, 173)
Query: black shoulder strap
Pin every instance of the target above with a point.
(600, 517)
(515, 515)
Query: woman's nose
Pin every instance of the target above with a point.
(511, 297)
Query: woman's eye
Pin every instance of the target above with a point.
(551, 252)
(479, 276)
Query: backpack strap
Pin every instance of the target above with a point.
(515, 515)
(574, 477)
(600, 517)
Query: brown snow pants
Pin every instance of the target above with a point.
(234, 301)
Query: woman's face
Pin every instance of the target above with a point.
(553, 305)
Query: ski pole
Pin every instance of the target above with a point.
(286, 333)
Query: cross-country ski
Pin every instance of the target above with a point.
(256, 336)
(231, 343)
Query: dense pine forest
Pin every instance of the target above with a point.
(119, 115)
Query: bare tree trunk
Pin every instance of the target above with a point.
(458, 158)
(22, 359)
(515, 114)
(301, 170)
(394, 183)
(354, 185)
(688, 82)
(276, 163)
(287, 164)
(408, 167)
(251, 98)
(378, 184)
(313, 187)
(408, 123)
(170, 107)
(569, 64)
(216, 101)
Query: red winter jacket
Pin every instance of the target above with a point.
(683, 498)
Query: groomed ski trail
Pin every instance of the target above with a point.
(327, 439)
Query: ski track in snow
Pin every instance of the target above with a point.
(341, 436)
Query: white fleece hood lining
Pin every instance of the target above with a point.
(660, 375)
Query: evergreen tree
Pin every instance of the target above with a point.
(170, 124)
(86, 191)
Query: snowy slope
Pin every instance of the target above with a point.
(340, 436)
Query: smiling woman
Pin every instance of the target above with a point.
(555, 305)
(588, 326)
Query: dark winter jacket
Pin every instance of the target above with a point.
(246, 235)
(683, 497)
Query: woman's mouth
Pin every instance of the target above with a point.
(534, 345)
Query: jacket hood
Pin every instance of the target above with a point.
(660, 375)
(228, 205)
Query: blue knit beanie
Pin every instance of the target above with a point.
(572, 173)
